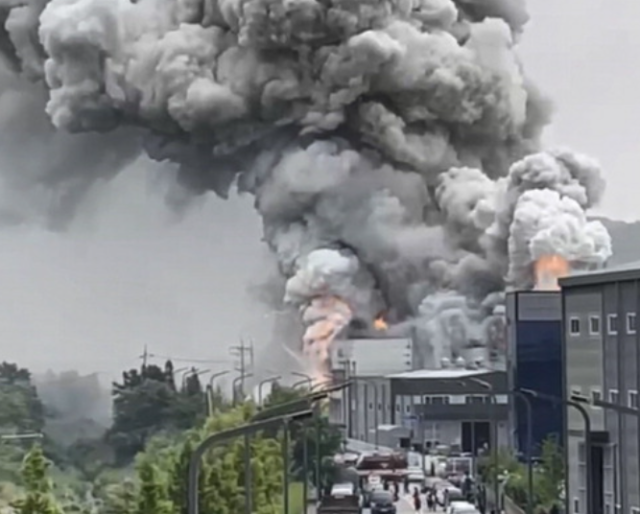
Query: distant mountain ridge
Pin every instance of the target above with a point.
(625, 239)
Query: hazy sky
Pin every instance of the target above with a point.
(581, 52)
(127, 276)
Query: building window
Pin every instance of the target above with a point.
(612, 324)
(379, 406)
(576, 506)
(596, 395)
(407, 408)
(613, 396)
(436, 400)
(594, 325)
(607, 508)
(476, 399)
(370, 405)
(633, 399)
(631, 322)
(574, 326)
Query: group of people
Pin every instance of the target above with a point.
(431, 500)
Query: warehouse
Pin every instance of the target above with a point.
(602, 361)
(430, 407)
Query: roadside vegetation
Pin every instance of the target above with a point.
(138, 464)
(548, 478)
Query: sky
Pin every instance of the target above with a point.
(131, 275)
(578, 52)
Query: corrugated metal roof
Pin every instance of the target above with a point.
(628, 271)
(440, 373)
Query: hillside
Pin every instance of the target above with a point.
(626, 240)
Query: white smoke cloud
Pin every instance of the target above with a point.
(546, 223)
(392, 147)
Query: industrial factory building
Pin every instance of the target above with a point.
(430, 407)
(371, 359)
(602, 361)
(534, 361)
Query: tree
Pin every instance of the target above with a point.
(145, 403)
(152, 496)
(550, 483)
(121, 498)
(20, 406)
(303, 433)
(38, 498)
(222, 476)
(178, 475)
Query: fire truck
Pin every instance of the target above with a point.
(378, 470)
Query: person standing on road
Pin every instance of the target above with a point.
(417, 502)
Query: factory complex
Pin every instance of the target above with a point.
(574, 351)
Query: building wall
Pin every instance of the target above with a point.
(535, 361)
(621, 375)
(441, 420)
(583, 375)
(606, 362)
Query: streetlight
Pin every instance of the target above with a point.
(14, 437)
(262, 383)
(494, 434)
(236, 380)
(622, 409)
(619, 409)
(245, 431)
(209, 392)
(306, 379)
(587, 437)
(528, 407)
(217, 375)
(193, 373)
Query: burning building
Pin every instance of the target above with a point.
(393, 148)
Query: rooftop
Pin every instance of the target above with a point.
(440, 373)
(628, 271)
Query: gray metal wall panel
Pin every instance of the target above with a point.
(539, 306)
(584, 370)
(583, 353)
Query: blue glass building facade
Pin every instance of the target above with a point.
(534, 361)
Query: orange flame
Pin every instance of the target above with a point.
(548, 269)
(329, 315)
(380, 324)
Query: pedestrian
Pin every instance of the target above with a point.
(431, 502)
(417, 503)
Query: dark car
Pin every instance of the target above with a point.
(381, 502)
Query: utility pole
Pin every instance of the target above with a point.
(144, 357)
(241, 351)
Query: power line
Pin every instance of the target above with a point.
(184, 359)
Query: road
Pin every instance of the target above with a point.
(404, 506)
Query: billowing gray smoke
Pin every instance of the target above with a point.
(400, 136)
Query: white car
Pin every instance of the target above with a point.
(461, 508)
(341, 490)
